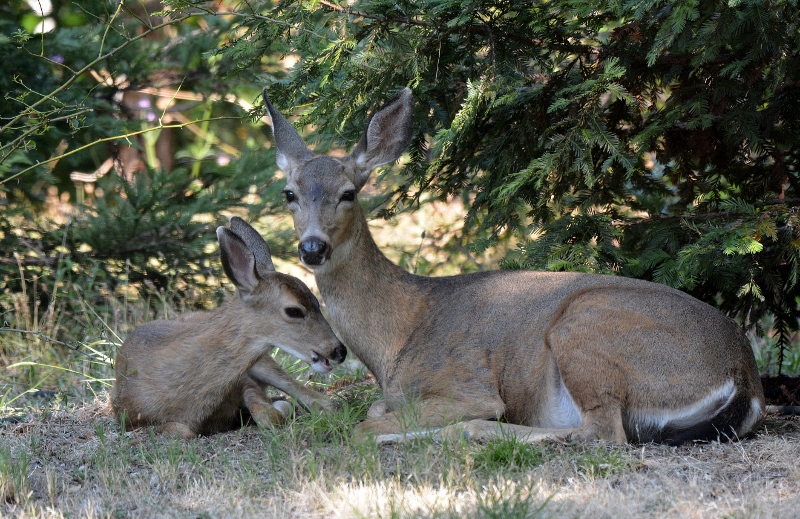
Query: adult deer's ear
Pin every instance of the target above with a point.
(290, 150)
(388, 133)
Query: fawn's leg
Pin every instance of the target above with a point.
(268, 371)
(261, 409)
(377, 409)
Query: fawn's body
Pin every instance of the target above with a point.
(599, 356)
(194, 374)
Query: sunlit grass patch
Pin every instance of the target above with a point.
(510, 501)
(499, 498)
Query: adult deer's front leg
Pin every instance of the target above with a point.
(474, 430)
(424, 418)
(448, 419)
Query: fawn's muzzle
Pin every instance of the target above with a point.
(313, 251)
(322, 363)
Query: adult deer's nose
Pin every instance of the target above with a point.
(339, 354)
(313, 251)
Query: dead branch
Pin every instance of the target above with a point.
(783, 409)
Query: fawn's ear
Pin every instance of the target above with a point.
(290, 150)
(256, 244)
(388, 133)
(238, 262)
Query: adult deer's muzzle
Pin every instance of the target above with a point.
(313, 251)
(339, 354)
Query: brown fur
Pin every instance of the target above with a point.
(640, 361)
(194, 374)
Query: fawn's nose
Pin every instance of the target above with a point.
(313, 251)
(339, 354)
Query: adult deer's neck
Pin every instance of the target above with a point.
(372, 302)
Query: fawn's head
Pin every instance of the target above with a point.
(321, 191)
(277, 308)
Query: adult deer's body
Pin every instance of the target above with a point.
(608, 357)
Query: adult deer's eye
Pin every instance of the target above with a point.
(294, 312)
(289, 194)
(349, 195)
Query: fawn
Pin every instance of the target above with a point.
(194, 374)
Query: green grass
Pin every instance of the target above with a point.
(14, 465)
(508, 453)
(601, 463)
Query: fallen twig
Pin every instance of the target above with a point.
(784, 409)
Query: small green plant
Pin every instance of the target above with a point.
(14, 485)
(509, 453)
(770, 357)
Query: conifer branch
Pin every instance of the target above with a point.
(29, 110)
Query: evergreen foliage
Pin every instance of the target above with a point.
(656, 139)
(63, 112)
(653, 139)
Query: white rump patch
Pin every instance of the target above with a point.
(752, 418)
(704, 409)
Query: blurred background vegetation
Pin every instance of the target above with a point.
(654, 139)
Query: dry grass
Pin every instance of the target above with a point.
(76, 462)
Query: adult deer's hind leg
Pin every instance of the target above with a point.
(177, 429)
(594, 371)
(604, 423)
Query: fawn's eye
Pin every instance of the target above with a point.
(294, 312)
(289, 194)
(349, 195)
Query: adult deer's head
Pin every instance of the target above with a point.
(321, 191)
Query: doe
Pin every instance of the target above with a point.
(552, 354)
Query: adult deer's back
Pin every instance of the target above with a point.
(600, 356)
